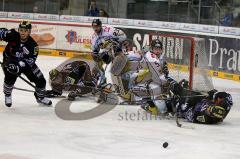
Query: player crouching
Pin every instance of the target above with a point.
(74, 76)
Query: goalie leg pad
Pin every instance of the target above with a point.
(118, 65)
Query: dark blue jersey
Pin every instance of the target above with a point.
(16, 50)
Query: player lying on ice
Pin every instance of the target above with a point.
(19, 57)
(210, 109)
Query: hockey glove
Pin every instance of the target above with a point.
(174, 86)
(13, 68)
(217, 112)
(211, 94)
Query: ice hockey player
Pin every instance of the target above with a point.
(153, 90)
(73, 75)
(19, 57)
(103, 35)
(211, 109)
(141, 76)
(125, 69)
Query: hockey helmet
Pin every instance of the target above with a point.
(96, 22)
(25, 24)
(156, 43)
(223, 95)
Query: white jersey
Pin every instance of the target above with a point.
(134, 60)
(107, 33)
(155, 65)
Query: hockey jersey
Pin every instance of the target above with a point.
(155, 65)
(107, 33)
(16, 50)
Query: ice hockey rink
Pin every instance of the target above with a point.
(30, 131)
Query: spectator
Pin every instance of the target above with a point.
(35, 9)
(93, 10)
(103, 13)
(227, 20)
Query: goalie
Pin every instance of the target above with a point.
(102, 39)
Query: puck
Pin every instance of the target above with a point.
(165, 145)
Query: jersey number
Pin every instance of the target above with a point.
(106, 29)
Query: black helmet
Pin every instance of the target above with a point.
(223, 95)
(96, 22)
(156, 43)
(25, 24)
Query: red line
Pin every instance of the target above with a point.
(47, 23)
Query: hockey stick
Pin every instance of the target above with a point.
(162, 98)
(103, 92)
(183, 126)
(82, 87)
(29, 83)
(32, 91)
(22, 89)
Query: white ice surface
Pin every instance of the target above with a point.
(30, 131)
